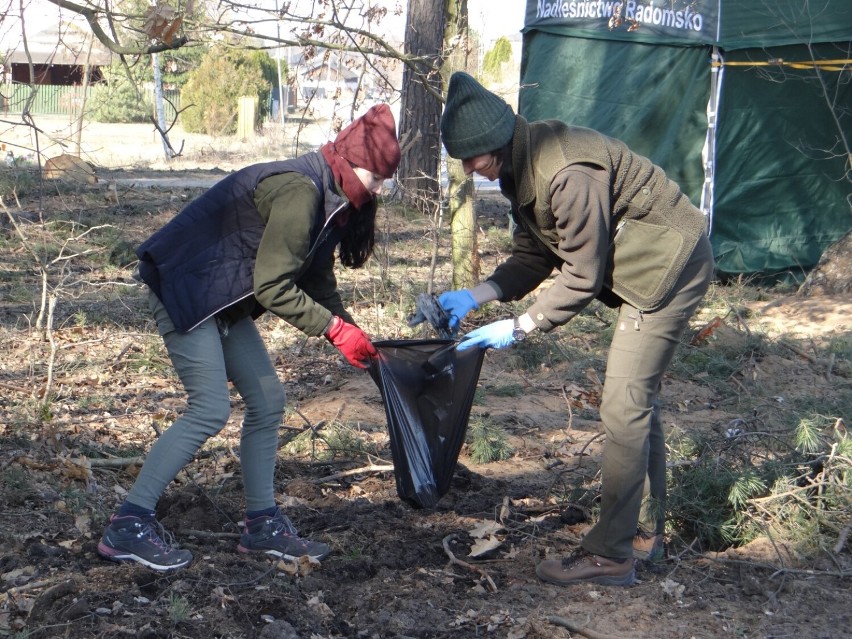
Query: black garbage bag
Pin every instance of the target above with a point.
(427, 387)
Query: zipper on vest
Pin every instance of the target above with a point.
(320, 237)
(313, 249)
(222, 308)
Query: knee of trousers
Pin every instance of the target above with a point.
(214, 412)
(267, 406)
(627, 417)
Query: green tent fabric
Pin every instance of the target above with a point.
(726, 97)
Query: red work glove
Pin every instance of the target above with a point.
(351, 341)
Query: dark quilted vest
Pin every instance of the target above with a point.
(202, 260)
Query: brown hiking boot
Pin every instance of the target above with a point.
(648, 546)
(584, 567)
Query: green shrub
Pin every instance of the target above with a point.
(179, 608)
(495, 58)
(726, 491)
(212, 92)
(17, 182)
(118, 100)
(707, 496)
(337, 440)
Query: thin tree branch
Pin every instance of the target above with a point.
(458, 562)
(91, 17)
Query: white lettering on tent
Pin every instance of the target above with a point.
(558, 9)
(649, 14)
(661, 16)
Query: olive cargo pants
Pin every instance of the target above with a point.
(634, 453)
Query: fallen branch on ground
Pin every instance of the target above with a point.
(16, 590)
(44, 602)
(16, 389)
(207, 534)
(841, 539)
(372, 468)
(801, 353)
(458, 562)
(586, 632)
(114, 462)
(120, 356)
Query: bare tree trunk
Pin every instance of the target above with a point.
(78, 134)
(466, 268)
(461, 210)
(420, 111)
(159, 107)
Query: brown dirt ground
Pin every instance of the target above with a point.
(395, 571)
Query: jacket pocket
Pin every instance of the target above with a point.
(646, 261)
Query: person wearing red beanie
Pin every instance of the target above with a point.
(370, 144)
(265, 238)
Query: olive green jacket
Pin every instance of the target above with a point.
(294, 269)
(609, 220)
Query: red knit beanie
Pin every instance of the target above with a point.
(369, 142)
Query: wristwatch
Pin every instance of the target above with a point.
(518, 334)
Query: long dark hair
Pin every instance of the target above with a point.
(357, 244)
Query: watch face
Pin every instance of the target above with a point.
(519, 334)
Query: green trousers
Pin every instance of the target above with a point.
(205, 359)
(633, 470)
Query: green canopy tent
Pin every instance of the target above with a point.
(746, 103)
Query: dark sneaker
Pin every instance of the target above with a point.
(277, 536)
(648, 546)
(143, 540)
(584, 567)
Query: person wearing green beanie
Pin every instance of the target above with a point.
(596, 221)
(475, 121)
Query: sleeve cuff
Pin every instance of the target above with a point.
(526, 323)
(486, 292)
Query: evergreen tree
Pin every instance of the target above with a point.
(117, 98)
(499, 55)
(209, 98)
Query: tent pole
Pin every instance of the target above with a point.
(708, 153)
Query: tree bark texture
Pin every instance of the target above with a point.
(420, 111)
(460, 200)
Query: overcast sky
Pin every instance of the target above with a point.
(491, 18)
(494, 18)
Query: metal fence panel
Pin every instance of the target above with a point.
(48, 99)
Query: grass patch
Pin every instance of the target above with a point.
(506, 390)
(335, 441)
(179, 609)
(17, 182)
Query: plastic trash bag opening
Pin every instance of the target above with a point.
(427, 387)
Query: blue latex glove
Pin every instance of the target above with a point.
(457, 304)
(495, 335)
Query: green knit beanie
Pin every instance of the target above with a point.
(475, 121)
